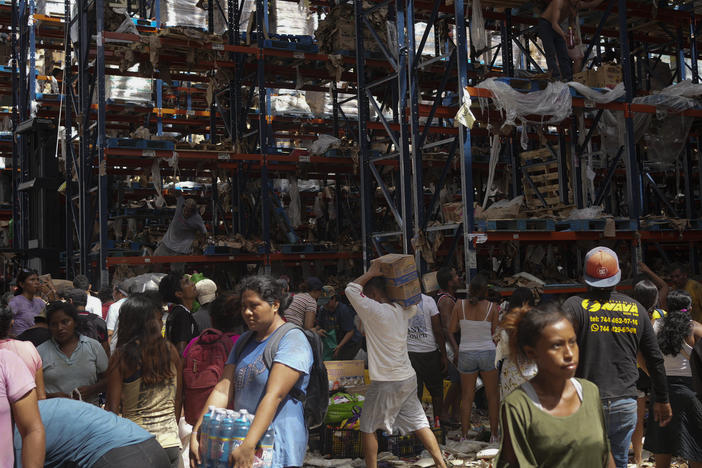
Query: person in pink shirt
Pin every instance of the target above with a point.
(24, 349)
(18, 402)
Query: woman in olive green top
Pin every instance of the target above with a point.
(553, 419)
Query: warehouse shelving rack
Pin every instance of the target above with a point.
(420, 121)
(604, 37)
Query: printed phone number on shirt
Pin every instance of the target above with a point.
(618, 324)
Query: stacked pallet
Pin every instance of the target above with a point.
(540, 178)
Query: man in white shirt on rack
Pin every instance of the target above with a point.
(391, 400)
(185, 225)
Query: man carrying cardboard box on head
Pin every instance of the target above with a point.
(384, 299)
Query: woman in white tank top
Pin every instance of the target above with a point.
(476, 319)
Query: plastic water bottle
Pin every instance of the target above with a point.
(212, 454)
(224, 440)
(204, 432)
(267, 448)
(241, 428)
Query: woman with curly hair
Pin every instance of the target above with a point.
(682, 437)
(144, 380)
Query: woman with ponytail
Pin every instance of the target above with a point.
(677, 334)
(476, 319)
(553, 419)
(513, 372)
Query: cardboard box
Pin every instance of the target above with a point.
(401, 279)
(452, 212)
(607, 75)
(350, 372)
(430, 282)
(582, 77)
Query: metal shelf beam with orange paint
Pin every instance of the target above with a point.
(234, 258)
(574, 288)
(628, 109)
(565, 236)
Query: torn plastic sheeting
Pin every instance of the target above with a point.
(322, 144)
(553, 103)
(665, 140)
(495, 148)
(600, 97)
(156, 180)
(478, 35)
(684, 88)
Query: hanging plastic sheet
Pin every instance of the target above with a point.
(495, 148)
(553, 103)
(478, 35)
(666, 139)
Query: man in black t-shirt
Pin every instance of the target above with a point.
(180, 291)
(613, 329)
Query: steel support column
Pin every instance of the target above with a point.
(693, 49)
(367, 191)
(634, 193)
(464, 143)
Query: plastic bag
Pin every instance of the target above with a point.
(322, 144)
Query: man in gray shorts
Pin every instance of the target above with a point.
(391, 400)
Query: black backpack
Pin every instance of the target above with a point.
(92, 326)
(316, 399)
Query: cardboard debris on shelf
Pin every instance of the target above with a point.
(452, 212)
(524, 279)
(503, 209)
(337, 31)
(607, 75)
(664, 222)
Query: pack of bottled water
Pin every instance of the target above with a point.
(223, 430)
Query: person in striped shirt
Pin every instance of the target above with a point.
(302, 311)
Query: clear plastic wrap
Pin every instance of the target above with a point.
(478, 35)
(129, 89)
(184, 13)
(665, 132)
(553, 103)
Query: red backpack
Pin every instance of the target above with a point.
(202, 370)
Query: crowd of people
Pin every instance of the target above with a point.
(586, 380)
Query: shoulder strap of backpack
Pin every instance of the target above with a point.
(241, 344)
(274, 341)
(272, 348)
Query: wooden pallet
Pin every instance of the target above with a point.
(542, 169)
